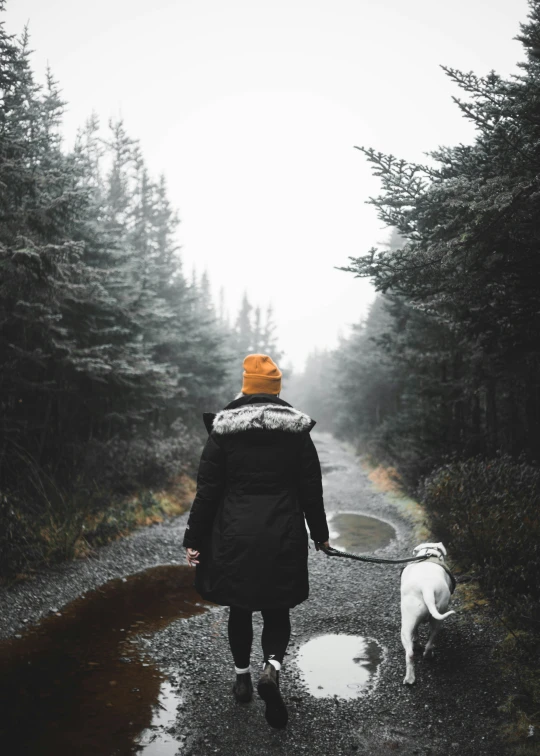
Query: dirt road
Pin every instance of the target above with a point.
(452, 708)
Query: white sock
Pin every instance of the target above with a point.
(274, 663)
(242, 671)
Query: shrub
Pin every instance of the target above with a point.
(123, 465)
(488, 513)
(40, 523)
(44, 521)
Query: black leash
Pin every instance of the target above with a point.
(331, 552)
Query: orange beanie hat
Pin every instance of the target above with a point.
(261, 375)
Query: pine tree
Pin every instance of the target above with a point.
(466, 278)
(269, 342)
(99, 337)
(243, 329)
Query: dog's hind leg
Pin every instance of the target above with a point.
(434, 627)
(408, 629)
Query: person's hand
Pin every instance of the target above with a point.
(192, 556)
(326, 545)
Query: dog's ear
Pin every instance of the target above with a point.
(441, 546)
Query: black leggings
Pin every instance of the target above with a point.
(275, 635)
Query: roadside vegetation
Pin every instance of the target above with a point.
(442, 379)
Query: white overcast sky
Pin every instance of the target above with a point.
(251, 109)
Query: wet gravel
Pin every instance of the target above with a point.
(452, 708)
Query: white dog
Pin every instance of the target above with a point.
(426, 588)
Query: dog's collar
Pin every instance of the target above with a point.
(433, 551)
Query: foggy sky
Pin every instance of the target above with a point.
(252, 108)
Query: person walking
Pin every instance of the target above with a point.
(259, 477)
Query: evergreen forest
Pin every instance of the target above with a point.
(109, 351)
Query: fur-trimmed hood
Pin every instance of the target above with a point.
(268, 416)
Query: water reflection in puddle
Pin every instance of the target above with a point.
(155, 741)
(340, 665)
(358, 533)
(78, 683)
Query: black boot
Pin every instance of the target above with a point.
(243, 688)
(268, 689)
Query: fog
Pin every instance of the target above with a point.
(252, 110)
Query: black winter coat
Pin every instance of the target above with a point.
(258, 477)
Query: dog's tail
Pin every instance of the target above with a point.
(429, 600)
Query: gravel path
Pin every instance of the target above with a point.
(451, 709)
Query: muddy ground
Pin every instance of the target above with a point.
(452, 708)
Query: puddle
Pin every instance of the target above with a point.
(358, 533)
(79, 684)
(340, 665)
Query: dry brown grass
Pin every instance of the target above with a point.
(386, 479)
(145, 508)
(176, 498)
(74, 533)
